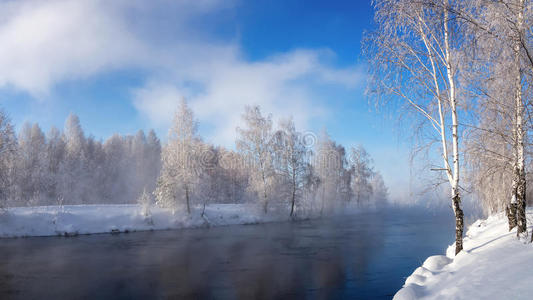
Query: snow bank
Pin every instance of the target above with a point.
(493, 265)
(88, 219)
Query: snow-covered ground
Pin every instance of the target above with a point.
(87, 219)
(493, 265)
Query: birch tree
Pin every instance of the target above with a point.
(519, 174)
(502, 35)
(413, 60)
(294, 168)
(362, 174)
(254, 142)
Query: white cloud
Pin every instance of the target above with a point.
(282, 85)
(44, 43)
(157, 102)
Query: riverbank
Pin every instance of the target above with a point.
(493, 265)
(71, 220)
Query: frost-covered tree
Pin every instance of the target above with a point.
(363, 174)
(236, 177)
(94, 170)
(55, 154)
(151, 161)
(31, 164)
(254, 142)
(114, 184)
(413, 61)
(72, 168)
(130, 163)
(212, 177)
(67, 166)
(293, 167)
(8, 148)
(499, 69)
(181, 162)
(331, 168)
(39, 170)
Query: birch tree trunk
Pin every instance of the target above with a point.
(293, 199)
(187, 200)
(456, 198)
(265, 195)
(519, 180)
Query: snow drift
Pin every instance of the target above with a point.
(493, 265)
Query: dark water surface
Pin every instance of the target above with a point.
(364, 256)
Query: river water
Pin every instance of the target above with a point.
(363, 256)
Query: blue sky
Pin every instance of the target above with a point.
(123, 65)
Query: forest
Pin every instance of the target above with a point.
(281, 170)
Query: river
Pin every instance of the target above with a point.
(362, 256)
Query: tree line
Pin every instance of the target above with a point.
(463, 71)
(66, 167)
(278, 168)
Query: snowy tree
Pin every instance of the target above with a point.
(8, 148)
(294, 165)
(72, 168)
(67, 166)
(130, 163)
(31, 164)
(363, 174)
(331, 167)
(114, 184)
(211, 179)
(93, 171)
(152, 160)
(55, 154)
(181, 164)
(500, 72)
(413, 59)
(255, 144)
(236, 177)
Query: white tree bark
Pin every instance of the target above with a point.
(456, 199)
(519, 180)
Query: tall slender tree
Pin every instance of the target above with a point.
(294, 167)
(413, 59)
(362, 174)
(255, 143)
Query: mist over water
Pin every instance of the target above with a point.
(360, 256)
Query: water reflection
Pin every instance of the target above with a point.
(358, 257)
